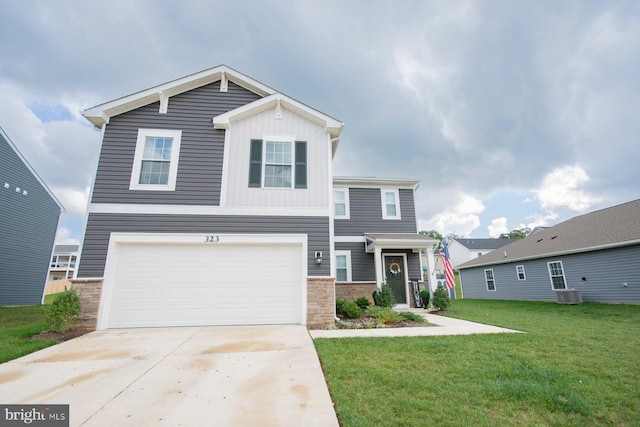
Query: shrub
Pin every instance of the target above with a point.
(384, 297)
(348, 309)
(384, 315)
(411, 317)
(63, 313)
(363, 303)
(441, 298)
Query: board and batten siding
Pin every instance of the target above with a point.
(201, 152)
(291, 125)
(605, 272)
(363, 265)
(28, 225)
(366, 214)
(99, 227)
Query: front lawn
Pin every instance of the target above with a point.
(576, 365)
(17, 324)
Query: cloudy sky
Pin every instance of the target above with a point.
(511, 113)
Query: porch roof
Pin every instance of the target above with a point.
(415, 242)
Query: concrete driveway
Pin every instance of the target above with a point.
(226, 376)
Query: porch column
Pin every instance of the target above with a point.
(431, 265)
(377, 257)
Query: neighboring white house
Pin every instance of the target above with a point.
(463, 249)
(63, 262)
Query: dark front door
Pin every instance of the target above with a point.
(395, 274)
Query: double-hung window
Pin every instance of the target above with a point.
(520, 272)
(556, 274)
(343, 266)
(278, 163)
(341, 203)
(390, 203)
(155, 163)
(489, 280)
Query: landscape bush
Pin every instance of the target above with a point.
(441, 298)
(383, 297)
(363, 303)
(63, 313)
(348, 309)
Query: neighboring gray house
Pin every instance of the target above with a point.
(596, 254)
(63, 262)
(464, 249)
(213, 203)
(29, 217)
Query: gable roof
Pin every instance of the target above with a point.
(476, 244)
(100, 114)
(5, 137)
(603, 229)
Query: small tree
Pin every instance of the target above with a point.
(383, 297)
(441, 298)
(63, 313)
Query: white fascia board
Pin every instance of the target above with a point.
(350, 239)
(332, 126)
(122, 208)
(100, 113)
(372, 182)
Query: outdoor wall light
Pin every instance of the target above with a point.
(318, 257)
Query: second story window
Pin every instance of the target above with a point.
(341, 203)
(278, 164)
(390, 204)
(155, 163)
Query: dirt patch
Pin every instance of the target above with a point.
(62, 336)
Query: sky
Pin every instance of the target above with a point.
(510, 113)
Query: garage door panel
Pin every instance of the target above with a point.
(180, 285)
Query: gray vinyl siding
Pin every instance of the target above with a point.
(605, 272)
(99, 227)
(201, 152)
(27, 228)
(363, 264)
(366, 214)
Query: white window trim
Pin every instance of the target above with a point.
(347, 254)
(383, 203)
(524, 275)
(279, 138)
(347, 209)
(564, 279)
(134, 184)
(486, 281)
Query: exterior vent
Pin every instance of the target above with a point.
(569, 297)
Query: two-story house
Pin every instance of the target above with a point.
(213, 204)
(63, 262)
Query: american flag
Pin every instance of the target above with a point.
(448, 270)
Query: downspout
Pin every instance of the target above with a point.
(332, 243)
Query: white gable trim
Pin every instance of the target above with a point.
(332, 126)
(100, 114)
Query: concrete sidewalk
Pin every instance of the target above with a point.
(191, 376)
(444, 326)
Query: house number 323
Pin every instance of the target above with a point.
(211, 239)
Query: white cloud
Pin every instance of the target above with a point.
(460, 217)
(73, 200)
(562, 188)
(63, 237)
(497, 227)
(540, 220)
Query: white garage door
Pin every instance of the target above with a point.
(188, 285)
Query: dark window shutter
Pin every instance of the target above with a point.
(255, 163)
(301, 164)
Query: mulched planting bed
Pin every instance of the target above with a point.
(62, 336)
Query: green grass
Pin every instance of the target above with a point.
(576, 365)
(17, 324)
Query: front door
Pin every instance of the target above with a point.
(396, 279)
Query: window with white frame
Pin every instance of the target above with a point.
(341, 203)
(278, 162)
(520, 272)
(390, 204)
(155, 163)
(343, 266)
(489, 280)
(556, 274)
